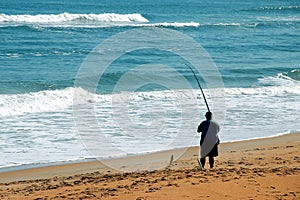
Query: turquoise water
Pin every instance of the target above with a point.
(255, 46)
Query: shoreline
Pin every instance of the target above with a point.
(92, 159)
(25, 172)
(266, 168)
(30, 166)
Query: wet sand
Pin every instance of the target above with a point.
(266, 168)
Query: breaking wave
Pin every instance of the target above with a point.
(62, 100)
(278, 8)
(68, 20)
(68, 17)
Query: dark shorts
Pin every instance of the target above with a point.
(214, 152)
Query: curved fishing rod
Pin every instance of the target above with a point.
(199, 86)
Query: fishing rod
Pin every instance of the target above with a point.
(199, 86)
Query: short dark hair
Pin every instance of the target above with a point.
(208, 115)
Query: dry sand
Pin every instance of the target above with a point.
(255, 169)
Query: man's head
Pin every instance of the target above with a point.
(208, 115)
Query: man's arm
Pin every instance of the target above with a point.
(199, 128)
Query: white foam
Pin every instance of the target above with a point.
(114, 24)
(68, 20)
(278, 7)
(279, 19)
(171, 24)
(266, 91)
(43, 101)
(50, 128)
(68, 17)
(279, 85)
(163, 24)
(53, 100)
(281, 79)
(227, 24)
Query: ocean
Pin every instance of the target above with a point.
(53, 109)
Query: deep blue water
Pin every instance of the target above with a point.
(255, 46)
(246, 40)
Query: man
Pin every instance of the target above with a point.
(209, 139)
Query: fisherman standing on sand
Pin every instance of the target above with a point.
(209, 139)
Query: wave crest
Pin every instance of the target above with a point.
(68, 17)
(279, 8)
(62, 100)
(68, 20)
(34, 102)
(292, 75)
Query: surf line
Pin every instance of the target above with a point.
(199, 87)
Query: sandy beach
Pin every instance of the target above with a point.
(266, 168)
